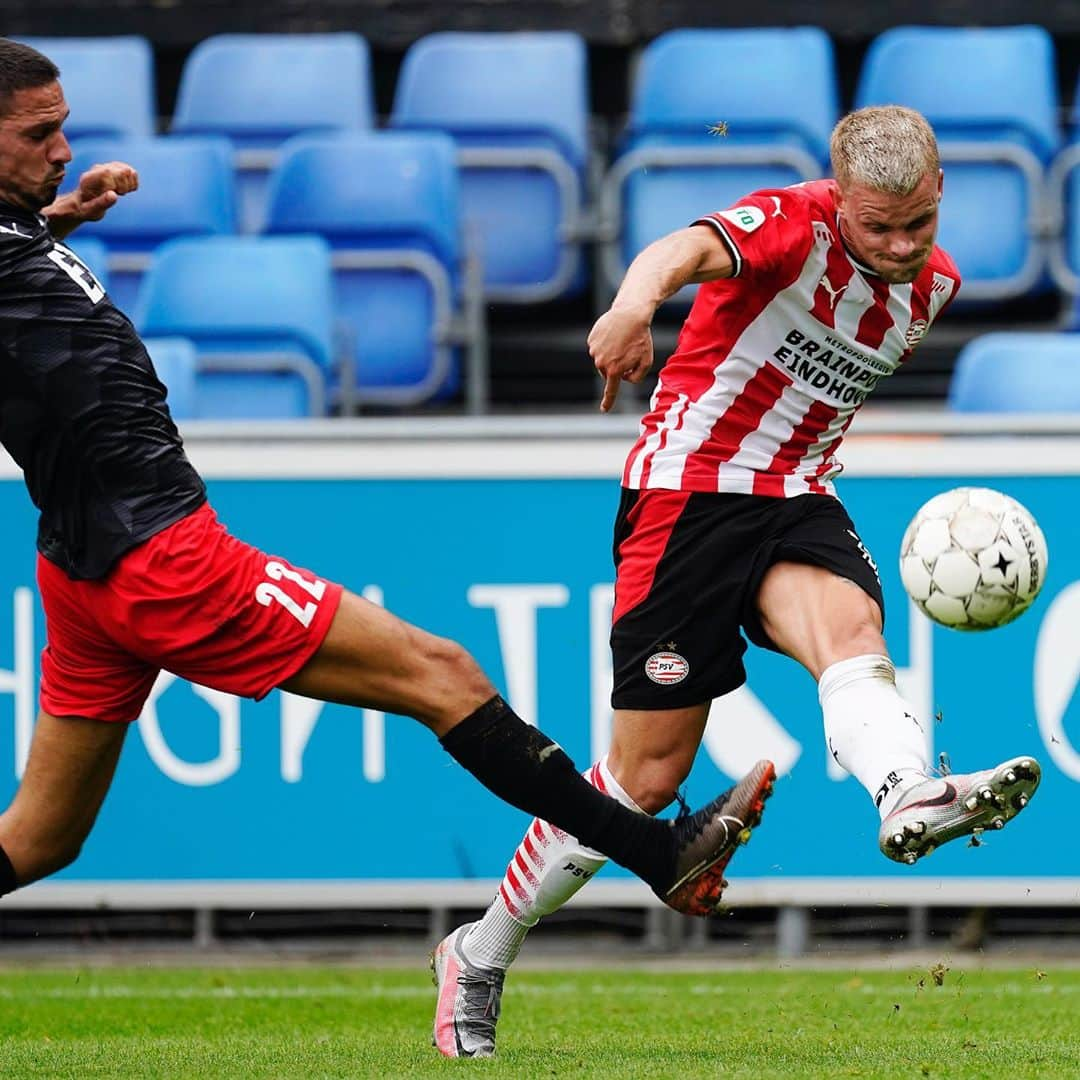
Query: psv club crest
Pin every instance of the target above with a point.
(915, 333)
(667, 668)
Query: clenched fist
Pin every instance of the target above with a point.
(101, 186)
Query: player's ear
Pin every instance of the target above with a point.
(940, 182)
(838, 199)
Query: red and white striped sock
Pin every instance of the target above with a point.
(548, 867)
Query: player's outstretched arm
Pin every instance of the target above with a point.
(620, 342)
(100, 187)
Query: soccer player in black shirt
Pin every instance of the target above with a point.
(136, 574)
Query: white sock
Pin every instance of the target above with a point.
(548, 867)
(871, 730)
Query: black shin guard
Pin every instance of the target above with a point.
(526, 769)
(7, 874)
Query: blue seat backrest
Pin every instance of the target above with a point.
(185, 188)
(108, 83)
(175, 360)
(993, 84)
(242, 294)
(525, 92)
(761, 86)
(259, 89)
(374, 190)
(1018, 372)
(510, 89)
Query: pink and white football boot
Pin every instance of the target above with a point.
(467, 1001)
(938, 810)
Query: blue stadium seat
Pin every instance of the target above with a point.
(1018, 372)
(93, 253)
(176, 362)
(186, 188)
(108, 83)
(714, 115)
(388, 203)
(261, 89)
(991, 95)
(260, 312)
(517, 106)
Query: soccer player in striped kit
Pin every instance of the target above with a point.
(136, 573)
(729, 522)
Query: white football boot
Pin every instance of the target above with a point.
(938, 810)
(467, 1000)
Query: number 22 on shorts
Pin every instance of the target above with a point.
(266, 593)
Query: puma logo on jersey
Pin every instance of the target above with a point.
(834, 294)
(777, 212)
(14, 230)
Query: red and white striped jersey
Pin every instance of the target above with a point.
(773, 362)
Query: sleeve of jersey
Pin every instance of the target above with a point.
(768, 234)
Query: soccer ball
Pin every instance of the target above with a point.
(973, 559)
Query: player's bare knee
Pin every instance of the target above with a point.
(454, 665)
(448, 682)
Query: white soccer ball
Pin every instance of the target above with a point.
(973, 559)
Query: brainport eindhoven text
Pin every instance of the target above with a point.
(843, 373)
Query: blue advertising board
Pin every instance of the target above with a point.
(215, 789)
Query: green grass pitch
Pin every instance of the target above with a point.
(297, 1021)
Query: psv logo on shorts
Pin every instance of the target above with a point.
(667, 668)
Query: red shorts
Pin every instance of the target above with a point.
(193, 600)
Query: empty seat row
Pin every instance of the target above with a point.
(516, 106)
(407, 304)
(282, 326)
(523, 145)
(402, 310)
(241, 327)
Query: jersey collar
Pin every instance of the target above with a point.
(19, 221)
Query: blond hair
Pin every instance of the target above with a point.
(885, 147)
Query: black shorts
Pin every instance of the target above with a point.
(688, 569)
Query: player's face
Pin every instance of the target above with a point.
(33, 149)
(891, 234)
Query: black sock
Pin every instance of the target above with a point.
(7, 874)
(526, 769)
